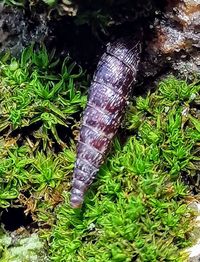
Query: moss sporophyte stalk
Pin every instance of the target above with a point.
(137, 209)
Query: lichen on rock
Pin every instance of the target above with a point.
(22, 246)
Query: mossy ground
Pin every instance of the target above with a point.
(137, 208)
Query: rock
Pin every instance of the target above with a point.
(194, 251)
(176, 41)
(20, 246)
(17, 29)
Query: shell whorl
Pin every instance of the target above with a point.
(108, 95)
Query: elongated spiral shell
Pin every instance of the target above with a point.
(108, 95)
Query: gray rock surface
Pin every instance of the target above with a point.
(17, 30)
(194, 251)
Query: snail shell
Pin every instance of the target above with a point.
(108, 96)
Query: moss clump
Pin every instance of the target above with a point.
(34, 94)
(137, 208)
(40, 102)
(40, 176)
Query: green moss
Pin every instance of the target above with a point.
(40, 97)
(137, 208)
(34, 93)
(18, 3)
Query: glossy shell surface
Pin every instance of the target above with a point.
(108, 95)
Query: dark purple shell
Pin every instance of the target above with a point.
(108, 95)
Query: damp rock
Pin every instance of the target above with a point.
(176, 40)
(19, 28)
(188, 65)
(179, 29)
